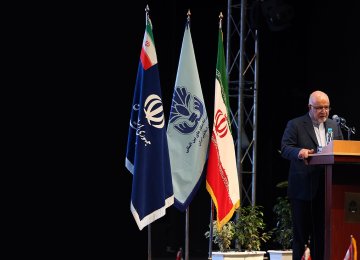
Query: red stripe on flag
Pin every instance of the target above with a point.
(145, 59)
(218, 182)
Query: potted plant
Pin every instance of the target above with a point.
(283, 234)
(223, 238)
(246, 234)
(250, 228)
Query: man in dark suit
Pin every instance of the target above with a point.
(306, 135)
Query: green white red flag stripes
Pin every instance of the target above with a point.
(221, 178)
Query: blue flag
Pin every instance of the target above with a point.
(147, 154)
(188, 128)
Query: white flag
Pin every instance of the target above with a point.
(188, 128)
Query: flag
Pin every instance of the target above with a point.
(306, 255)
(221, 178)
(147, 154)
(188, 128)
(351, 253)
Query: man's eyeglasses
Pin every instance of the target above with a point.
(319, 108)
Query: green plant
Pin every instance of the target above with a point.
(283, 234)
(250, 228)
(223, 237)
(248, 231)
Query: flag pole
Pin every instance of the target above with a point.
(147, 9)
(149, 242)
(187, 209)
(187, 234)
(211, 228)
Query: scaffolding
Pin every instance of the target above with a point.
(242, 69)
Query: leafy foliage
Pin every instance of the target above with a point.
(283, 231)
(248, 231)
(250, 228)
(223, 237)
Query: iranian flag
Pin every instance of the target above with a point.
(221, 177)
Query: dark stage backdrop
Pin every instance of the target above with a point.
(102, 49)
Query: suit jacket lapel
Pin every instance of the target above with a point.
(308, 125)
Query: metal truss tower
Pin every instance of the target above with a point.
(242, 70)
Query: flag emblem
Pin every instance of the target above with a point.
(154, 112)
(221, 127)
(186, 111)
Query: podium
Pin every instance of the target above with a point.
(341, 159)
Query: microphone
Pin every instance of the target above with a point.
(342, 122)
(339, 120)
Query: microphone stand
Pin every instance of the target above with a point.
(350, 130)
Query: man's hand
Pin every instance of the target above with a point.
(304, 154)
